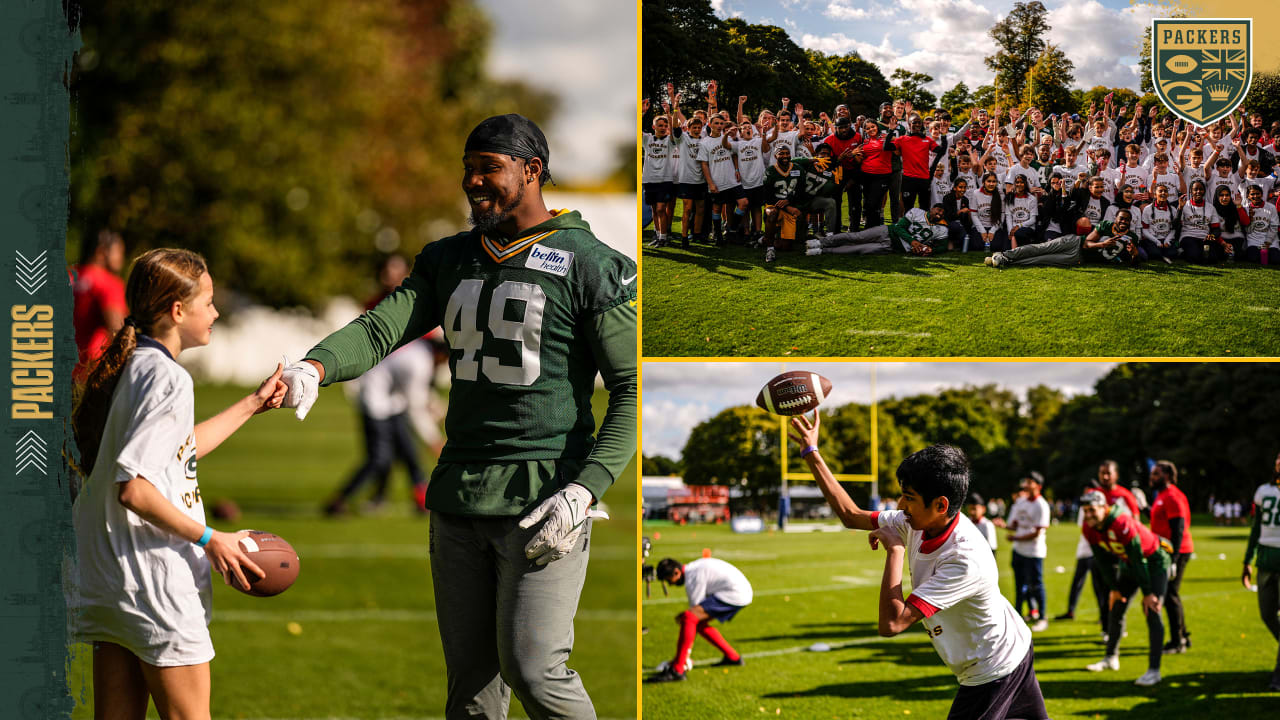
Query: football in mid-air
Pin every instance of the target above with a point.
(794, 393)
(1180, 64)
(277, 559)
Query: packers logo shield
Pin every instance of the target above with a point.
(1202, 68)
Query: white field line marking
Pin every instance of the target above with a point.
(908, 299)
(881, 333)
(382, 615)
(1259, 308)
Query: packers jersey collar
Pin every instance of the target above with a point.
(499, 252)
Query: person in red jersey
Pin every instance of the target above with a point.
(1109, 479)
(1131, 558)
(98, 293)
(1171, 520)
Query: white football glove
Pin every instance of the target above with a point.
(566, 515)
(303, 381)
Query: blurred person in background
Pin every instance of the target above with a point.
(98, 293)
(384, 396)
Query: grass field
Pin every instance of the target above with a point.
(824, 587)
(366, 643)
(720, 302)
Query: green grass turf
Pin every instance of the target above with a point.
(720, 302)
(368, 646)
(824, 587)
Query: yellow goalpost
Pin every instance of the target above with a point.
(870, 477)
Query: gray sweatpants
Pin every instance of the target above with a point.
(505, 623)
(1061, 251)
(1269, 606)
(872, 241)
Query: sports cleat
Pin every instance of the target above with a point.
(667, 675)
(987, 261)
(813, 243)
(1175, 648)
(1149, 678)
(1110, 662)
(1066, 616)
(726, 662)
(813, 251)
(770, 255)
(1040, 626)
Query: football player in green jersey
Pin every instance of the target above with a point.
(532, 306)
(1264, 540)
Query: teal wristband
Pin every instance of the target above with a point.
(204, 539)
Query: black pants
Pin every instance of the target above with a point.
(1084, 569)
(851, 189)
(874, 188)
(1155, 626)
(1173, 602)
(915, 192)
(385, 441)
(1016, 695)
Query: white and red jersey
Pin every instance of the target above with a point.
(1262, 226)
(1197, 220)
(1157, 223)
(956, 585)
(705, 577)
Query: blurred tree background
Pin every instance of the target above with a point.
(290, 143)
(1216, 421)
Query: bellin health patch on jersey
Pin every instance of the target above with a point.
(550, 260)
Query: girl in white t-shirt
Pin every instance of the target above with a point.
(142, 584)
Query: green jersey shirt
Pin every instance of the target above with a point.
(529, 322)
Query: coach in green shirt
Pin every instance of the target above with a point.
(533, 307)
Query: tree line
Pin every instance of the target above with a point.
(1215, 421)
(686, 44)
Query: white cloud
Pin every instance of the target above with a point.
(1099, 40)
(844, 10)
(678, 396)
(717, 7)
(585, 54)
(839, 44)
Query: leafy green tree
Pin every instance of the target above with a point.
(1049, 82)
(659, 465)
(684, 43)
(1264, 96)
(909, 86)
(1019, 37)
(1096, 94)
(1145, 83)
(738, 446)
(861, 84)
(290, 143)
(985, 97)
(957, 100)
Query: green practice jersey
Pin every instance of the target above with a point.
(783, 185)
(527, 322)
(818, 182)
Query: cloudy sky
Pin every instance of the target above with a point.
(679, 395)
(584, 52)
(948, 38)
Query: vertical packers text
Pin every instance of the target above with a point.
(31, 355)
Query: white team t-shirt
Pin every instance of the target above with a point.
(137, 585)
(1263, 223)
(1197, 220)
(689, 170)
(1157, 223)
(956, 585)
(1025, 515)
(750, 161)
(719, 160)
(657, 159)
(705, 577)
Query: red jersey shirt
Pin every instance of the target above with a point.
(876, 157)
(838, 146)
(1115, 539)
(915, 155)
(96, 290)
(1118, 492)
(1172, 503)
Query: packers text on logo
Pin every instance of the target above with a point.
(1202, 68)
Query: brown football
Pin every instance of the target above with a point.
(277, 559)
(794, 393)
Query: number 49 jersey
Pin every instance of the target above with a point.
(518, 317)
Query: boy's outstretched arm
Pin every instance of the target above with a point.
(806, 433)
